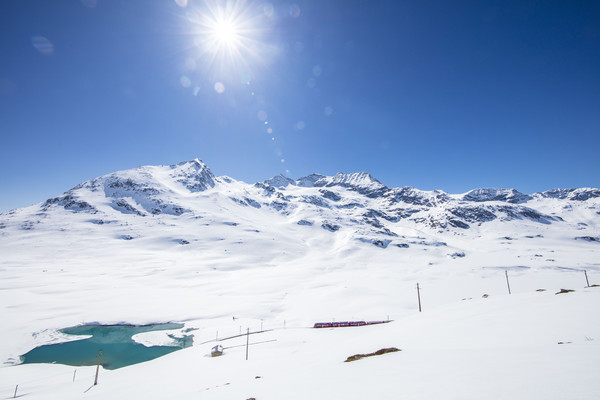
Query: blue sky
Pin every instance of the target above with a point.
(450, 95)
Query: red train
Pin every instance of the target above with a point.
(346, 324)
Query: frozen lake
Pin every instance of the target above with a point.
(116, 342)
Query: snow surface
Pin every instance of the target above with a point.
(158, 244)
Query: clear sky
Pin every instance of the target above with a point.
(450, 95)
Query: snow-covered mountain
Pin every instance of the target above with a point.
(177, 243)
(356, 203)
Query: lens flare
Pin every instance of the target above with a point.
(219, 87)
(228, 37)
(42, 45)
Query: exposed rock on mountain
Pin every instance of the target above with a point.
(194, 175)
(506, 195)
(70, 202)
(581, 194)
(417, 197)
(280, 181)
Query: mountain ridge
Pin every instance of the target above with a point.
(355, 203)
(196, 176)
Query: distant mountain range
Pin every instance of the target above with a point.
(355, 203)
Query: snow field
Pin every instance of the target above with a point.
(499, 347)
(227, 265)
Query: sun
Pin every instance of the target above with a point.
(226, 29)
(226, 33)
(228, 36)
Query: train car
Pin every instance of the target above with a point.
(345, 324)
(342, 324)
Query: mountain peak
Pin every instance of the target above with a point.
(280, 181)
(194, 175)
(356, 179)
(362, 182)
(580, 194)
(309, 180)
(195, 163)
(494, 194)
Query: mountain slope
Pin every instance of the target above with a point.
(355, 201)
(177, 243)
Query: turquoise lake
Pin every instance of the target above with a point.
(116, 342)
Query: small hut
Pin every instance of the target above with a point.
(216, 351)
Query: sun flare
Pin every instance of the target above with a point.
(225, 33)
(228, 35)
(226, 29)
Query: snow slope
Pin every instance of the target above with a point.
(176, 243)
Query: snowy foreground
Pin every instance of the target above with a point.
(222, 256)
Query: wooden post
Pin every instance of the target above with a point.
(419, 296)
(217, 337)
(586, 278)
(74, 372)
(261, 324)
(507, 282)
(97, 368)
(247, 342)
(15, 396)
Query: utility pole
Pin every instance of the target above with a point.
(586, 278)
(419, 296)
(97, 368)
(507, 282)
(247, 342)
